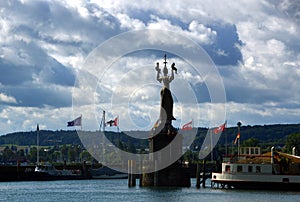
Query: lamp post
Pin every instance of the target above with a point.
(239, 136)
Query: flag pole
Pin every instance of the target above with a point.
(226, 145)
(103, 118)
(81, 122)
(103, 138)
(37, 144)
(118, 121)
(192, 123)
(211, 146)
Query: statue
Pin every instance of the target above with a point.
(166, 111)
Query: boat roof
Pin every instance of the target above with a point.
(295, 159)
(265, 158)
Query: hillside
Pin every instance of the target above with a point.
(266, 134)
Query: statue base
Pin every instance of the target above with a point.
(176, 174)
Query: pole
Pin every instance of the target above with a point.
(198, 176)
(129, 173)
(37, 144)
(81, 122)
(103, 118)
(103, 138)
(239, 134)
(294, 151)
(211, 147)
(238, 148)
(118, 121)
(226, 144)
(204, 173)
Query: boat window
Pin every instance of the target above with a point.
(286, 180)
(239, 169)
(250, 169)
(227, 169)
(258, 169)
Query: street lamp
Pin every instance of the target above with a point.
(239, 136)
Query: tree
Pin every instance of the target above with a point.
(33, 154)
(21, 153)
(251, 142)
(71, 154)
(64, 152)
(7, 154)
(292, 140)
(131, 147)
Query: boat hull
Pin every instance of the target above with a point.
(14, 173)
(256, 182)
(107, 173)
(117, 176)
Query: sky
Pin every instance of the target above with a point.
(51, 73)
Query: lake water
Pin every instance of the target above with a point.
(118, 191)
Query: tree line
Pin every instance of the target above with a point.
(60, 145)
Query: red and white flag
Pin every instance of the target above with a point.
(187, 126)
(220, 129)
(211, 139)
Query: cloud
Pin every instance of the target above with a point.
(7, 99)
(53, 26)
(44, 45)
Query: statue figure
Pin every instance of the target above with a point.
(166, 112)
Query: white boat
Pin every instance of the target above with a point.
(106, 173)
(49, 170)
(273, 170)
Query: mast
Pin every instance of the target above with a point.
(103, 118)
(37, 143)
(118, 121)
(102, 123)
(211, 146)
(103, 138)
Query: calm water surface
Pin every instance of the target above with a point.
(118, 191)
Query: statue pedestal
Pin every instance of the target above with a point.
(173, 175)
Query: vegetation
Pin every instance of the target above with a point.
(59, 146)
(58, 154)
(292, 140)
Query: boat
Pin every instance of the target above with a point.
(47, 171)
(40, 172)
(106, 173)
(272, 171)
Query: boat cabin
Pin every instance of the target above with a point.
(246, 168)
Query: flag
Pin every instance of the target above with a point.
(156, 124)
(212, 137)
(116, 121)
(237, 137)
(187, 126)
(220, 129)
(75, 122)
(112, 122)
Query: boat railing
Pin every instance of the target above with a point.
(246, 158)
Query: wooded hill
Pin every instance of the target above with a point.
(266, 135)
